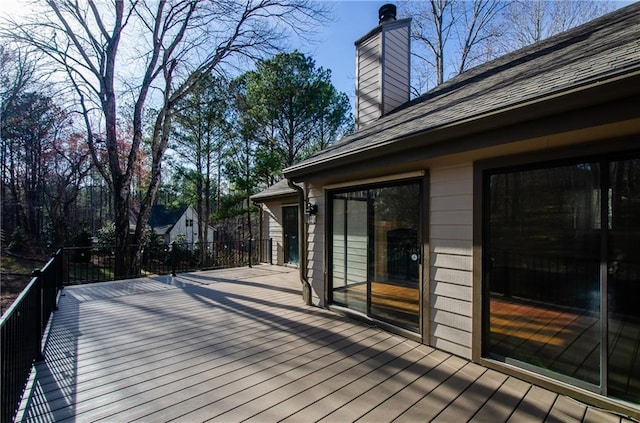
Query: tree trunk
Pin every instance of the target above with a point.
(121, 205)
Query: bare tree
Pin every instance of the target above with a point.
(479, 28)
(150, 53)
(451, 35)
(530, 21)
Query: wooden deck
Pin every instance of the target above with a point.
(240, 344)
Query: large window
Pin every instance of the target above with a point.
(561, 273)
(376, 252)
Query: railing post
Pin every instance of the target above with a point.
(250, 252)
(40, 314)
(270, 250)
(174, 258)
(65, 266)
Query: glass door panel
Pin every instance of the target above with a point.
(290, 229)
(395, 255)
(349, 250)
(542, 265)
(376, 251)
(623, 280)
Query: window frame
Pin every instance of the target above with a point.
(422, 179)
(612, 150)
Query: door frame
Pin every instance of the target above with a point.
(293, 210)
(421, 177)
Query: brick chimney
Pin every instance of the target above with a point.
(382, 67)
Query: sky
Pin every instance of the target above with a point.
(334, 42)
(335, 47)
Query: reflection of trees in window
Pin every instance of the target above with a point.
(624, 194)
(399, 203)
(552, 208)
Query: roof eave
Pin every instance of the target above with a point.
(589, 93)
(274, 197)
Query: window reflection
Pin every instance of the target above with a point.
(624, 279)
(542, 268)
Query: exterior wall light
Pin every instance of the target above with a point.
(311, 213)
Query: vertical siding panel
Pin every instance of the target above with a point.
(315, 253)
(368, 80)
(451, 243)
(273, 228)
(396, 68)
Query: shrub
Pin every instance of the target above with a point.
(17, 241)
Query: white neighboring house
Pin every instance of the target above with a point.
(167, 222)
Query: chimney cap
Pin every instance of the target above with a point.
(387, 13)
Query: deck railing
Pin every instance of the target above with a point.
(97, 263)
(22, 327)
(564, 280)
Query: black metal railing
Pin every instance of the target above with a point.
(563, 280)
(23, 325)
(22, 328)
(97, 263)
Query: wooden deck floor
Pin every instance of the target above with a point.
(240, 345)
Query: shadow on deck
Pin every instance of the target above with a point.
(235, 345)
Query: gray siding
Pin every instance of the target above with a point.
(368, 80)
(273, 229)
(315, 252)
(382, 72)
(396, 68)
(451, 244)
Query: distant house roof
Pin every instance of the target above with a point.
(280, 189)
(577, 68)
(163, 218)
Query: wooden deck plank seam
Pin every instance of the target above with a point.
(415, 389)
(228, 322)
(100, 341)
(238, 360)
(91, 344)
(281, 368)
(220, 349)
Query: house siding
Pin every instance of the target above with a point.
(315, 251)
(190, 232)
(368, 80)
(451, 243)
(273, 228)
(396, 68)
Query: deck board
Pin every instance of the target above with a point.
(240, 344)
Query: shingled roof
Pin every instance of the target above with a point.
(603, 50)
(278, 190)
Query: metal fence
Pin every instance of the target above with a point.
(21, 330)
(96, 263)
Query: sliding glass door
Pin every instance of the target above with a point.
(561, 274)
(376, 252)
(623, 279)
